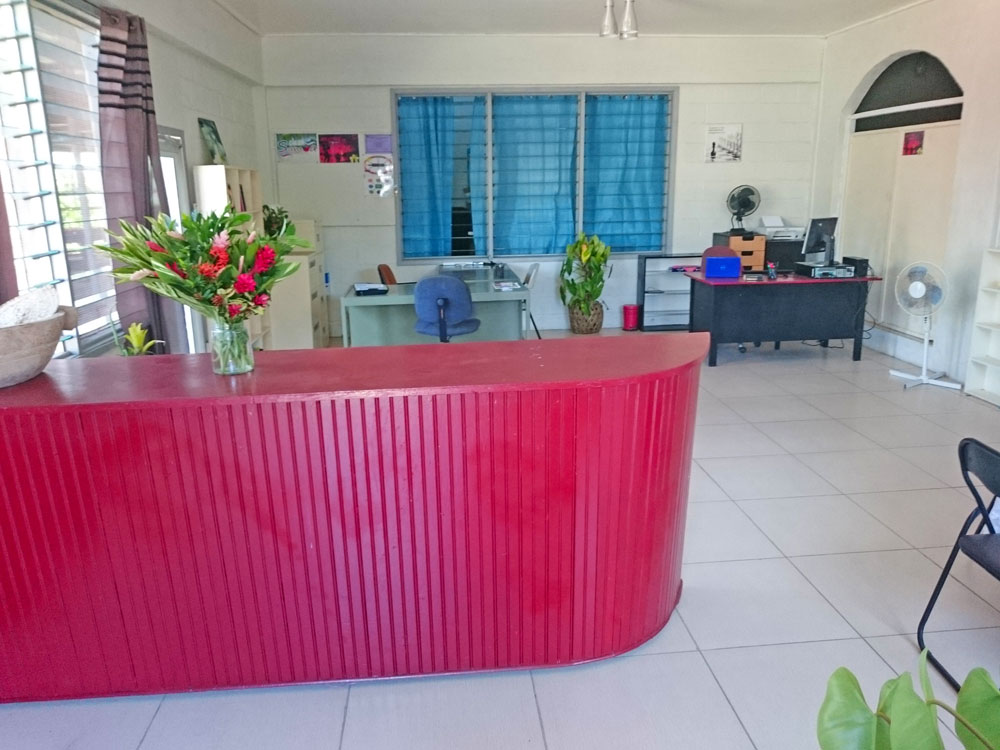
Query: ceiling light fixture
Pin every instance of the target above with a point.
(630, 26)
(609, 26)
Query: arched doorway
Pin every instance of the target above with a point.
(900, 172)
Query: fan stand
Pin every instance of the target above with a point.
(925, 378)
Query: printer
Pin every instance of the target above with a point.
(774, 228)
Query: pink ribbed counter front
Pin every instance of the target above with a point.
(340, 514)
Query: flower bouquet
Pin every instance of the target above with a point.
(214, 267)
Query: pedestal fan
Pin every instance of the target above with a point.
(920, 291)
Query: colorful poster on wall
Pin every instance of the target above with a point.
(379, 175)
(339, 148)
(378, 144)
(297, 147)
(723, 143)
(913, 143)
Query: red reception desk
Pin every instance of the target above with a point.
(340, 514)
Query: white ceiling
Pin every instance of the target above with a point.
(783, 17)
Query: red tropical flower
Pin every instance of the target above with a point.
(262, 299)
(208, 270)
(176, 269)
(217, 300)
(244, 283)
(264, 259)
(234, 310)
(154, 247)
(220, 255)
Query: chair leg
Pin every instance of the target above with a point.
(933, 600)
(532, 318)
(442, 325)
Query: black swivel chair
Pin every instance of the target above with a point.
(982, 546)
(444, 307)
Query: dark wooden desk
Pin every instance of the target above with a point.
(791, 308)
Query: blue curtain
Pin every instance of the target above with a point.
(477, 173)
(534, 173)
(426, 175)
(624, 170)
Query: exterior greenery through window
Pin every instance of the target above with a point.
(521, 174)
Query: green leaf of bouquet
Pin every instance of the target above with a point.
(914, 724)
(845, 720)
(979, 704)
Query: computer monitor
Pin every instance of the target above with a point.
(818, 247)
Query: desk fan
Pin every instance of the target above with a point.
(920, 291)
(742, 201)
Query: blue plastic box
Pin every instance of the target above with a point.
(722, 267)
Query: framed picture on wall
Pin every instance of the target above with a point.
(723, 143)
(213, 141)
(339, 148)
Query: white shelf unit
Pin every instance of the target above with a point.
(664, 296)
(219, 185)
(982, 378)
(298, 311)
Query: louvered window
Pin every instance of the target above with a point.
(66, 47)
(51, 165)
(26, 165)
(529, 171)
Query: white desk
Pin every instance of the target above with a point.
(389, 319)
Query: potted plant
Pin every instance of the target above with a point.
(903, 720)
(134, 343)
(581, 281)
(214, 265)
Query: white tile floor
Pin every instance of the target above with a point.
(824, 498)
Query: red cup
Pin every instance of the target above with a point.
(630, 317)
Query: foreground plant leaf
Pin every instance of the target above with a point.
(914, 724)
(845, 720)
(979, 704)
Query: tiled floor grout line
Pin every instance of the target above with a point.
(150, 724)
(728, 700)
(538, 708)
(343, 720)
(960, 582)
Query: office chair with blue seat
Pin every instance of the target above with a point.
(444, 307)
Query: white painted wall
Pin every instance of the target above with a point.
(205, 27)
(187, 85)
(344, 84)
(962, 34)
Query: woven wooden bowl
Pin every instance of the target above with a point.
(25, 349)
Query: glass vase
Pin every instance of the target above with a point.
(231, 352)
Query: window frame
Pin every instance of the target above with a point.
(673, 94)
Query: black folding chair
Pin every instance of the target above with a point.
(982, 462)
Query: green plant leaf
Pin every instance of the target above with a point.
(914, 724)
(925, 680)
(845, 720)
(979, 704)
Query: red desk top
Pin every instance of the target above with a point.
(502, 365)
(789, 279)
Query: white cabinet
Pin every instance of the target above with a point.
(982, 378)
(298, 314)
